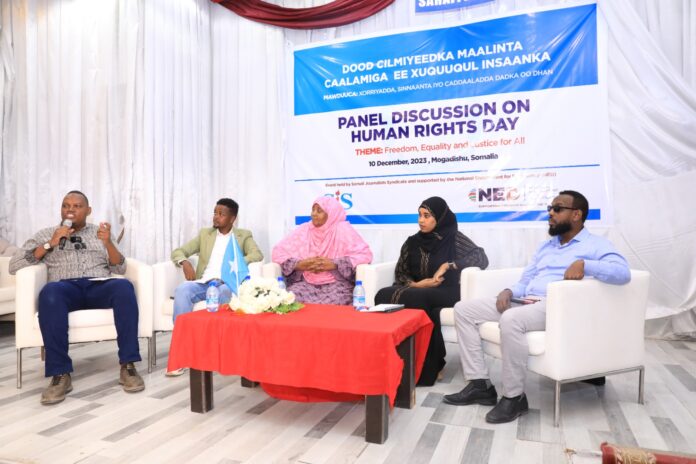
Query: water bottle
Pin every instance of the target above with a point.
(212, 297)
(359, 296)
(281, 283)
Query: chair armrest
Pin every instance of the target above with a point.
(140, 275)
(481, 284)
(375, 277)
(30, 281)
(271, 271)
(256, 269)
(599, 326)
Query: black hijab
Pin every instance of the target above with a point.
(442, 236)
(427, 251)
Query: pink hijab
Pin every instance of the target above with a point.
(335, 239)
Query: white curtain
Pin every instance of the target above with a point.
(70, 112)
(157, 108)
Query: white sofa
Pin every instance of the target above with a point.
(88, 325)
(7, 288)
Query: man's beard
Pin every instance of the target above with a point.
(559, 229)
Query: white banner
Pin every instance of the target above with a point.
(495, 116)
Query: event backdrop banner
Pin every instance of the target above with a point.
(494, 116)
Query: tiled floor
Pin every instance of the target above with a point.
(99, 423)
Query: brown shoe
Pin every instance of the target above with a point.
(130, 379)
(60, 386)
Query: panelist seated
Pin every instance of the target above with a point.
(572, 253)
(80, 259)
(427, 274)
(318, 259)
(211, 245)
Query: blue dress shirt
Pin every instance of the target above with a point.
(551, 260)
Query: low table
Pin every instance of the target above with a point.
(320, 353)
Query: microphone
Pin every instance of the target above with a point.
(61, 244)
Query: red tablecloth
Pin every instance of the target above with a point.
(319, 353)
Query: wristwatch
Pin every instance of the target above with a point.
(47, 246)
(452, 265)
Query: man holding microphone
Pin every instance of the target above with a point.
(80, 258)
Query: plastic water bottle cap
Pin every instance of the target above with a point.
(211, 284)
(358, 282)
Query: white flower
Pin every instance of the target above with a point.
(258, 294)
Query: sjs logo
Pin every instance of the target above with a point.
(346, 199)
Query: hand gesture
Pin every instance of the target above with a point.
(60, 232)
(322, 264)
(305, 264)
(189, 271)
(575, 271)
(104, 232)
(502, 303)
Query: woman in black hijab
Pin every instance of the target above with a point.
(427, 274)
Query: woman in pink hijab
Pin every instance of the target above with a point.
(319, 258)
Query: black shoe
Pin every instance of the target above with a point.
(473, 394)
(598, 381)
(508, 409)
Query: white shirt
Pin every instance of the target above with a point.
(214, 267)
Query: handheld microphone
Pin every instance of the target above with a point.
(61, 244)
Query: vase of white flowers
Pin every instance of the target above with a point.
(259, 295)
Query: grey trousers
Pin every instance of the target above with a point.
(514, 324)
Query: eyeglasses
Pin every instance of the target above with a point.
(78, 243)
(557, 208)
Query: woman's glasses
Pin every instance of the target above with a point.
(557, 208)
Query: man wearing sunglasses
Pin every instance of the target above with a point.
(80, 258)
(571, 254)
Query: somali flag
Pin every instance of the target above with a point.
(234, 267)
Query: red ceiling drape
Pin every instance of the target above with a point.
(336, 13)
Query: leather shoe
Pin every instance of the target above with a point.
(130, 379)
(472, 394)
(598, 381)
(60, 386)
(508, 409)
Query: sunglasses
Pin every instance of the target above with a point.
(557, 208)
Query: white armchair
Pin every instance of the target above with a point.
(88, 325)
(166, 277)
(7, 288)
(592, 329)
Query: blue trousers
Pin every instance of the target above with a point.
(190, 292)
(57, 299)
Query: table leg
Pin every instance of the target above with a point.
(376, 418)
(249, 383)
(406, 392)
(201, 384)
(377, 406)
